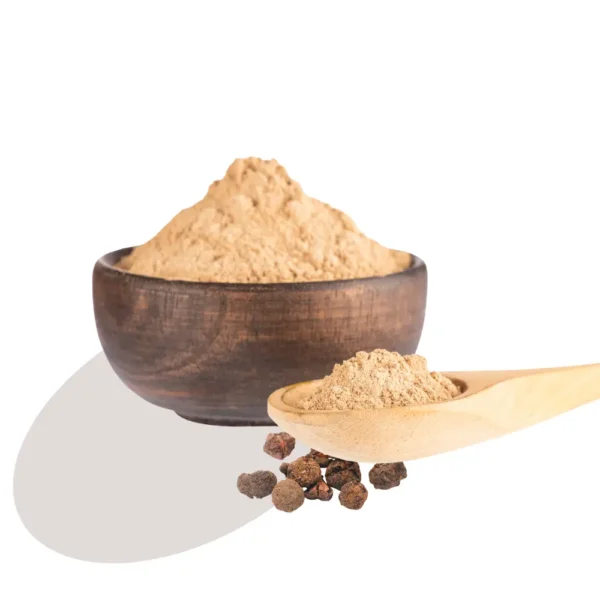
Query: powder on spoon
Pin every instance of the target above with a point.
(256, 225)
(380, 379)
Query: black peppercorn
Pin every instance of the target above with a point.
(283, 468)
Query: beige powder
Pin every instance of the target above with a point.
(256, 225)
(380, 379)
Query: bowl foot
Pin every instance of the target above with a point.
(229, 421)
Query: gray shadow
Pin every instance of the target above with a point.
(104, 476)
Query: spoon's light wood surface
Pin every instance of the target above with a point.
(492, 404)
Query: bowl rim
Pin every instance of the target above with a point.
(107, 262)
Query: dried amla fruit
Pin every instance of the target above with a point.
(256, 485)
(287, 496)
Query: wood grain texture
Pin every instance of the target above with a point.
(213, 352)
(492, 404)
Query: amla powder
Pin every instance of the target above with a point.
(380, 379)
(256, 225)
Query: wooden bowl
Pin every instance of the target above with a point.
(214, 352)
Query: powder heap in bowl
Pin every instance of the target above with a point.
(256, 225)
(380, 379)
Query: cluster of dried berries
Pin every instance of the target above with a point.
(305, 473)
(305, 480)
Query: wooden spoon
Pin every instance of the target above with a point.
(493, 403)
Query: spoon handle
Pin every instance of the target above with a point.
(495, 403)
(511, 400)
(582, 380)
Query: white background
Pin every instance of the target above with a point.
(465, 132)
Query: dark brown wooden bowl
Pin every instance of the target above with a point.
(213, 352)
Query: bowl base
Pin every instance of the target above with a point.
(229, 421)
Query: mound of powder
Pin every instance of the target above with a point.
(256, 225)
(380, 379)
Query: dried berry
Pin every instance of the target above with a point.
(256, 485)
(353, 495)
(305, 471)
(385, 476)
(287, 496)
(322, 459)
(319, 491)
(340, 472)
(283, 467)
(279, 445)
(244, 485)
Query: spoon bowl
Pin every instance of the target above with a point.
(492, 404)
